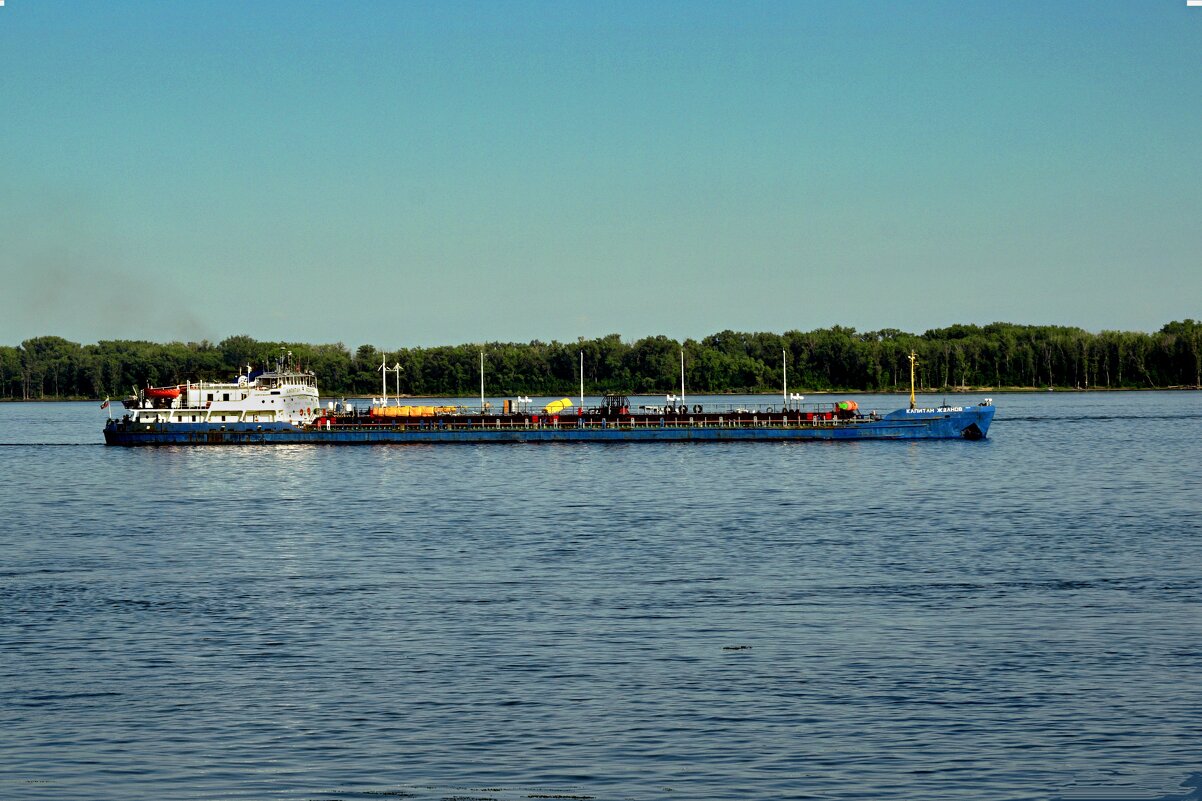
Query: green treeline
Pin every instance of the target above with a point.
(996, 355)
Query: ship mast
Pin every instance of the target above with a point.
(913, 362)
(682, 403)
(383, 379)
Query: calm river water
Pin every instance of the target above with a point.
(1019, 618)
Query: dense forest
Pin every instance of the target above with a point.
(962, 356)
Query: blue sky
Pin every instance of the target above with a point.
(423, 173)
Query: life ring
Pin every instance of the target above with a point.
(697, 409)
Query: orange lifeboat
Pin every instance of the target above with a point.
(163, 392)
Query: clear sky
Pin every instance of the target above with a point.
(406, 173)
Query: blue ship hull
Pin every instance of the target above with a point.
(969, 422)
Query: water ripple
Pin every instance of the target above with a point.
(1012, 619)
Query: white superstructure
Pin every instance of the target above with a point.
(281, 396)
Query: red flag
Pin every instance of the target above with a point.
(105, 405)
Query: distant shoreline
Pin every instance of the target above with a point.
(999, 357)
(116, 402)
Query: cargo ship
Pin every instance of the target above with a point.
(282, 406)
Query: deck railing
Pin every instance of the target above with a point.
(453, 423)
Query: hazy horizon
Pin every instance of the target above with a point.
(352, 345)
